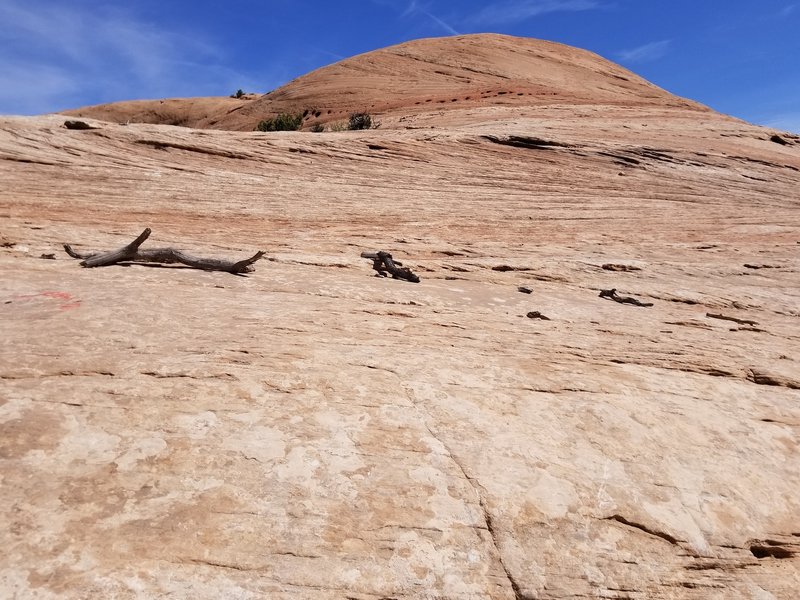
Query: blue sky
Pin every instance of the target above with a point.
(741, 57)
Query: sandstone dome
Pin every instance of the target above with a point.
(451, 74)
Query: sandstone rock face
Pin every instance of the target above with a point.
(443, 75)
(313, 431)
(182, 112)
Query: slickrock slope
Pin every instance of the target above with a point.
(184, 112)
(312, 431)
(447, 75)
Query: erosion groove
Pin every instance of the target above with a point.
(30, 161)
(531, 143)
(165, 145)
(220, 565)
(764, 378)
(654, 532)
(772, 549)
(765, 163)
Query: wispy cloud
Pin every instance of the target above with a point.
(416, 8)
(334, 55)
(783, 121)
(512, 11)
(645, 53)
(31, 88)
(787, 10)
(54, 56)
(446, 26)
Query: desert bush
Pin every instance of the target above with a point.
(361, 120)
(283, 122)
(317, 128)
(239, 93)
(338, 126)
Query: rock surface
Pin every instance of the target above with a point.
(443, 75)
(311, 430)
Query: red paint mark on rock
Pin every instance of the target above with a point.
(58, 295)
(68, 300)
(71, 305)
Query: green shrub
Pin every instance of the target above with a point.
(283, 122)
(360, 120)
(239, 93)
(338, 126)
(317, 128)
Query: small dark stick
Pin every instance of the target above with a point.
(612, 295)
(535, 314)
(383, 262)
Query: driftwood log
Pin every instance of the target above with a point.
(612, 295)
(131, 253)
(384, 264)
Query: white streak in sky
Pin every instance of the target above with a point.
(645, 53)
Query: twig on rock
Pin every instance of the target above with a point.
(612, 295)
(535, 314)
(616, 267)
(383, 263)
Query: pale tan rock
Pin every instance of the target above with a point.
(313, 431)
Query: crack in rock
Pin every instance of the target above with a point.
(763, 378)
(654, 532)
(487, 517)
(771, 549)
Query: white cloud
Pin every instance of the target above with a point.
(512, 11)
(645, 53)
(55, 56)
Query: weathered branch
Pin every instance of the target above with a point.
(68, 249)
(132, 253)
(612, 295)
(383, 262)
(125, 253)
